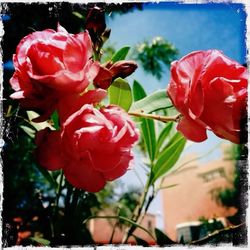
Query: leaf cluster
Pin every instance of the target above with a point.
(155, 56)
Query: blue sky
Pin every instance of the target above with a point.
(188, 27)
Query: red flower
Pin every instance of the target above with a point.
(50, 64)
(210, 91)
(93, 147)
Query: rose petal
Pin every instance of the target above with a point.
(28, 40)
(82, 175)
(192, 130)
(48, 151)
(74, 56)
(121, 168)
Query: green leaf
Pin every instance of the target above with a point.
(147, 126)
(148, 131)
(42, 241)
(38, 125)
(156, 101)
(29, 131)
(169, 186)
(162, 239)
(48, 176)
(55, 119)
(120, 54)
(162, 137)
(138, 91)
(77, 14)
(168, 157)
(120, 93)
(120, 218)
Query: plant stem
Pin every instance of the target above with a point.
(59, 190)
(216, 233)
(55, 210)
(155, 117)
(113, 232)
(121, 218)
(137, 213)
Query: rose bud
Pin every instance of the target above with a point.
(95, 21)
(210, 91)
(108, 72)
(93, 147)
(50, 64)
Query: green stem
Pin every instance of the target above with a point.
(113, 232)
(59, 189)
(156, 117)
(137, 212)
(150, 199)
(121, 218)
(75, 198)
(55, 210)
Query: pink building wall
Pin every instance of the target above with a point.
(196, 194)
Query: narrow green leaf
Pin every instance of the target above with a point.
(163, 239)
(120, 54)
(48, 176)
(138, 91)
(120, 218)
(148, 131)
(55, 119)
(42, 241)
(120, 94)
(167, 187)
(29, 131)
(77, 14)
(147, 126)
(156, 101)
(168, 157)
(38, 125)
(162, 137)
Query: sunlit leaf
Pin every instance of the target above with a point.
(162, 137)
(156, 101)
(168, 157)
(29, 131)
(41, 241)
(163, 239)
(38, 125)
(148, 130)
(138, 91)
(120, 94)
(120, 54)
(147, 126)
(77, 14)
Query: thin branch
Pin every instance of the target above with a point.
(155, 117)
(216, 233)
(137, 213)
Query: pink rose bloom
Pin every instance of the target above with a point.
(50, 64)
(93, 147)
(210, 91)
